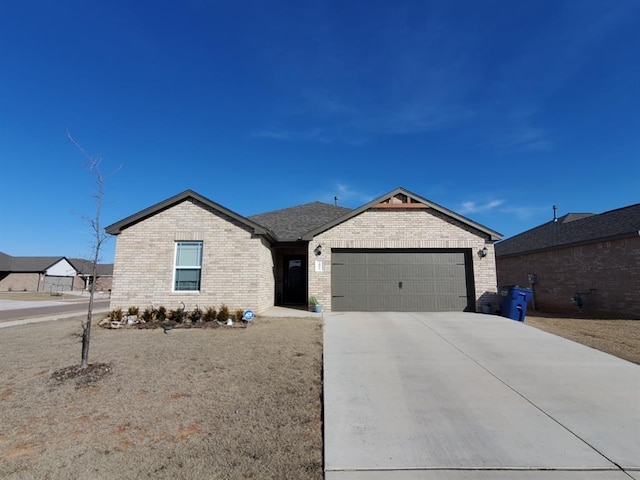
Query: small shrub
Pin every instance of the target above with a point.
(149, 315)
(210, 314)
(133, 311)
(239, 315)
(223, 314)
(176, 315)
(196, 314)
(161, 314)
(115, 315)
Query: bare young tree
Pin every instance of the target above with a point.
(99, 236)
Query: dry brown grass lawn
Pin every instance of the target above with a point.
(221, 403)
(39, 296)
(617, 337)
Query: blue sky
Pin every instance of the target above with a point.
(495, 109)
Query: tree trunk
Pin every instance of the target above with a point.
(94, 169)
(86, 331)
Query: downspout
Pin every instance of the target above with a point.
(533, 279)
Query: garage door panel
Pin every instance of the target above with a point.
(57, 284)
(399, 281)
(379, 303)
(383, 288)
(381, 272)
(356, 288)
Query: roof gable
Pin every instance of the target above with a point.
(290, 224)
(303, 222)
(43, 264)
(61, 268)
(573, 229)
(401, 198)
(118, 227)
(85, 267)
(5, 262)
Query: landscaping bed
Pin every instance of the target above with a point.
(194, 403)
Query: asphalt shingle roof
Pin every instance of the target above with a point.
(33, 264)
(5, 262)
(84, 266)
(40, 264)
(574, 228)
(290, 224)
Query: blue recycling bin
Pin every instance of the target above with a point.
(513, 302)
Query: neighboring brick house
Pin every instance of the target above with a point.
(594, 256)
(36, 274)
(84, 275)
(398, 252)
(48, 274)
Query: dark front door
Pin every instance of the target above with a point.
(295, 279)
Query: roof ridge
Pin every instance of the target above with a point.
(298, 206)
(620, 208)
(617, 223)
(567, 218)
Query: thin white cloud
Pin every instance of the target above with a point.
(274, 134)
(348, 196)
(313, 135)
(432, 76)
(526, 212)
(521, 138)
(473, 207)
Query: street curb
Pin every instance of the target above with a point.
(49, 318)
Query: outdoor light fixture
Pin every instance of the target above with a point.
(483, 252)
(318, 250)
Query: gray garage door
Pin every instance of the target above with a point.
(57, 284)
(400, 281)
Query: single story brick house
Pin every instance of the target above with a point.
(84, 275)
(399, 252)
(578, 262)
(49, 274)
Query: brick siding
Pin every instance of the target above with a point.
(103, 284)
(403, 228)
(609, 270)
(21, 282)
(237, 267)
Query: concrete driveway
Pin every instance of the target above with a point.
(470, 396)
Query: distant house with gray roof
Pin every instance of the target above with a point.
(84, 275)
(399, 252)
(49, 274)
(580, 261)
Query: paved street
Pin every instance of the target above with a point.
(14, 312)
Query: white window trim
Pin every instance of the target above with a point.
(183, 267)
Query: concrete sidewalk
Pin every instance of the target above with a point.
(97, 314)
(469, 396)
(280, 312)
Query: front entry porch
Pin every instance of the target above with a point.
(291, 276)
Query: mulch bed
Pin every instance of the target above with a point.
(82, 377)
